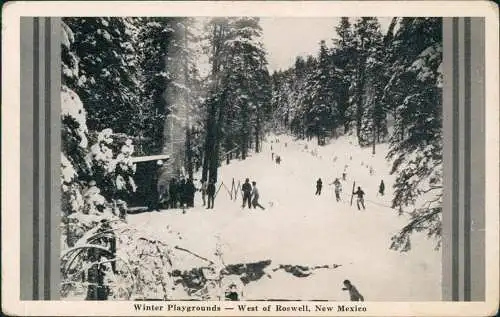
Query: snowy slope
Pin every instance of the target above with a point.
(300, 228)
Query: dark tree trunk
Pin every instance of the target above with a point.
(189, 153)
(257, 132)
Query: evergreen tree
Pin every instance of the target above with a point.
(107, 84)
(171, 88)
(343, 54)
(368, 40)
(321, 112)
(415, 92)
(239, 96)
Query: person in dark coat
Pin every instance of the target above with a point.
(203, 191)
(154, 195)
(211, 194)
(172, 193)
(319, 185)
(353, 292)
(232, 293)
(381, 188)
(247, 193)
(191, 189)
(181, 192)
(360, 198)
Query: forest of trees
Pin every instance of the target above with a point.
(132, 86)
(365, 83)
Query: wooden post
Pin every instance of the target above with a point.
(232, 188)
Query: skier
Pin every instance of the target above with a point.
(338, 188)
(203, 191)
(211, 194)
(344, 176)
(381, 188)
(272, 156)
(255, 195)
(319, 185)
(360, 198)
(353, 292)
(278, 159)
(247, 193)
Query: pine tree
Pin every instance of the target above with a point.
(368, 40)
(171, 87)
(321, 112)
(239, 95)
(415, 92)
(343, 57)
(107, 65)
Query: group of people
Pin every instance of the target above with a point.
(208, 190)
(360, 201)
(181, 193)
(250, 195)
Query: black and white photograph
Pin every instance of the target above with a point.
(208, 159)
(250, 158)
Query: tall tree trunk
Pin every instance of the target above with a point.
(257, 131)
(210, 162)
(374, 138)
(360, 88)
(189, 153)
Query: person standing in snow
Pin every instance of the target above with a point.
(154, 199)
(247, 193)
(191, 189)
(381, 188)
(232, 293)
(319, 185)
(353, 292)
(360, 198)
(203, 191)
(272, 156)
(172, 193)
(338, 188)
(181, 192)
(211, 194)
(255, 195)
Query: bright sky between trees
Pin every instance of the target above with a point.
(285, 38)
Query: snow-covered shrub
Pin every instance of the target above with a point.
(87, 201)
(112, 173)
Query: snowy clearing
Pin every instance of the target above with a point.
(300, 228)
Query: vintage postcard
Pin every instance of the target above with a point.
(250, 158)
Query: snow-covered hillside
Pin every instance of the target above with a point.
(300, 228)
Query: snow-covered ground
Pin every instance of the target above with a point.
(300, 228)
